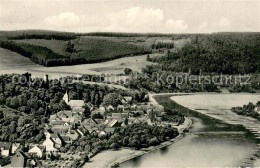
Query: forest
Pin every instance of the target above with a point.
(207, 55)
(226, 53)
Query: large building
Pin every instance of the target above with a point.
(74, 104)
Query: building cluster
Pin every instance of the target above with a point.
(66, 127)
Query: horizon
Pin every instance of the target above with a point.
(60, 31)
(148, 16)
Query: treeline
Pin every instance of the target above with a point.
(248, 110)
(234, 53)
(38, 34)
(46, 37)
(162, 45)
(115, 34)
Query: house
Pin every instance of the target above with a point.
(57, 140)
(128, 99)
(19, 159)
(90, 122)
(59, 122)
(73, 135)
(60, 129)
(5, 148)
(102, 110)
(74, 104)
(257, 109)
(66, 139)
(109, 130)
(102, 133)
(37, 150)
(14, 147)
(121, 107)
(110, 108)
(65, 116)
(49, 145)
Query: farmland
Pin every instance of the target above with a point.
(79, 51)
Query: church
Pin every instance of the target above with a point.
(74, 104)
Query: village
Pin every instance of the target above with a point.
(67, 126)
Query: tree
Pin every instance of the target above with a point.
(97, 116)
(128, 71)
(2, 99)
(86, 112)
(14, 103)
(114, 146)
(113, 99)
(85, 158)
(148, 58)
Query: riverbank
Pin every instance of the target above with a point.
(210, 142)
(109, 158)
(218, 106)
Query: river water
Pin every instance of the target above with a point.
(205, 149)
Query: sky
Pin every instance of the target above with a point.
(160, 16)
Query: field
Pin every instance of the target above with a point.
(50, 48)
(79, 51)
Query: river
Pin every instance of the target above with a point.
(204, 148)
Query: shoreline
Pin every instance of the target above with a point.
(128, 154)
(186, 126)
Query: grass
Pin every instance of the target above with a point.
(211, 124)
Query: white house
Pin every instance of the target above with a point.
(49, 145)
(5, 148)
(110, 108)
(37, 150)
(15, 146)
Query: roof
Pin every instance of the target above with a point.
(89, 121)
(41, 147)
(108, 130)
(65, 113)
(121, 106)
(59, 122)
(54, 136)
(128, 98)
(119, 115)
(110, 107)
(76, 103)
(22, 154)
(112, 123)
(65, 138)
(60, 130)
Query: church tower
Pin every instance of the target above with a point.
(66, 97)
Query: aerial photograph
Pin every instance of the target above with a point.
(130, 83)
